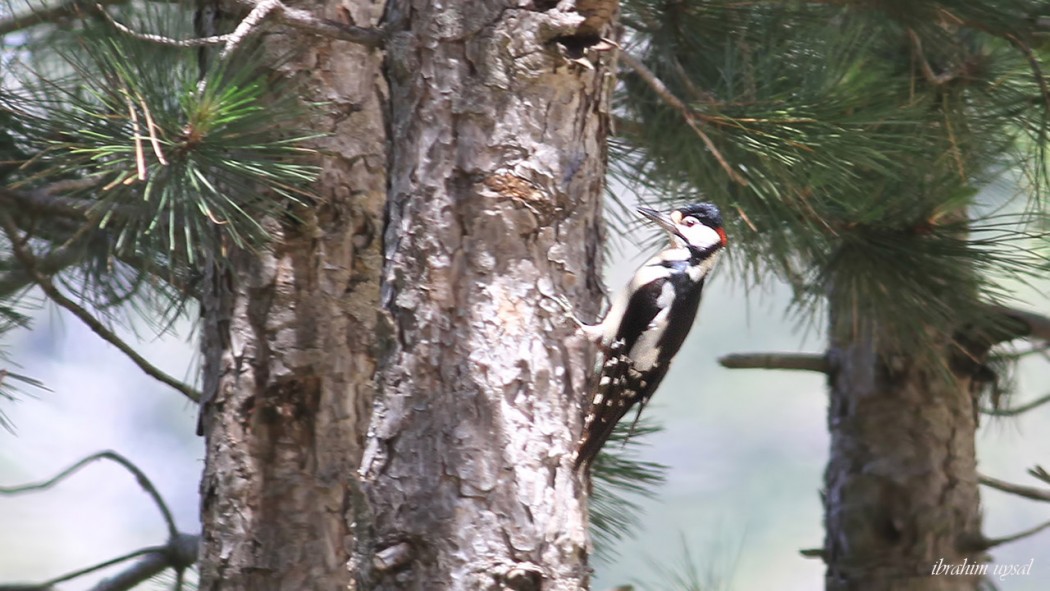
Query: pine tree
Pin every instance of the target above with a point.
(852, 140)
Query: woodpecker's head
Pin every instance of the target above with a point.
(698, 225)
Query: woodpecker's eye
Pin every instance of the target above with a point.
(689, 222)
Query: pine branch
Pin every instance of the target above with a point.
(687, 114)
(790, 361)
(29, 262)
(1028, 492)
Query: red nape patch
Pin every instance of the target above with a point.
(722, 235)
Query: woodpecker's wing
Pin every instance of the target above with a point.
(619, 389)
(628, 378)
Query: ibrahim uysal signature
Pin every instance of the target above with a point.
(979, 568)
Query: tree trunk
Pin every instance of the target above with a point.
(495, 146)
(901, 492)
(288, 345)
(498, 160)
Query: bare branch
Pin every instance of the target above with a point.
(1012, 412)
(293, 17)
(160, 39)
(262, 9)
(306, 21)
(90, 569)
(792, 361)
(140, 477)
(687, 113)
(29, 262)
(988, 543)
(1027, 492)
(179, 553)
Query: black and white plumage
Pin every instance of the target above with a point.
(649, 320)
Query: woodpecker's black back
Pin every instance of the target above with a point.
(661, 304)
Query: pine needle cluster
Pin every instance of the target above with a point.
(124, 161)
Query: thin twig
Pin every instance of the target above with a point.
(179, 553)
(927, 71)
(988, 543)
(29, 262)
(306, 21)
(101, 565)
(297, 18)
(675, 103)
(1028, 492)
(1012, 412)
(791, 361)
(113, 456)
(248, 24)
(161, 39)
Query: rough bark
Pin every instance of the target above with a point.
(288, 345)
(498, 155)
(901, 488)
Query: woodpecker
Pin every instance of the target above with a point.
(649, 320)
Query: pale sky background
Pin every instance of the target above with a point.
(745, 448)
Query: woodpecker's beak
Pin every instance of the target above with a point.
(663, 220)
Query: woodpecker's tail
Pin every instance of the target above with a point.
(608, 405)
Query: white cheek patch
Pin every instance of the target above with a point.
(701, 236)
